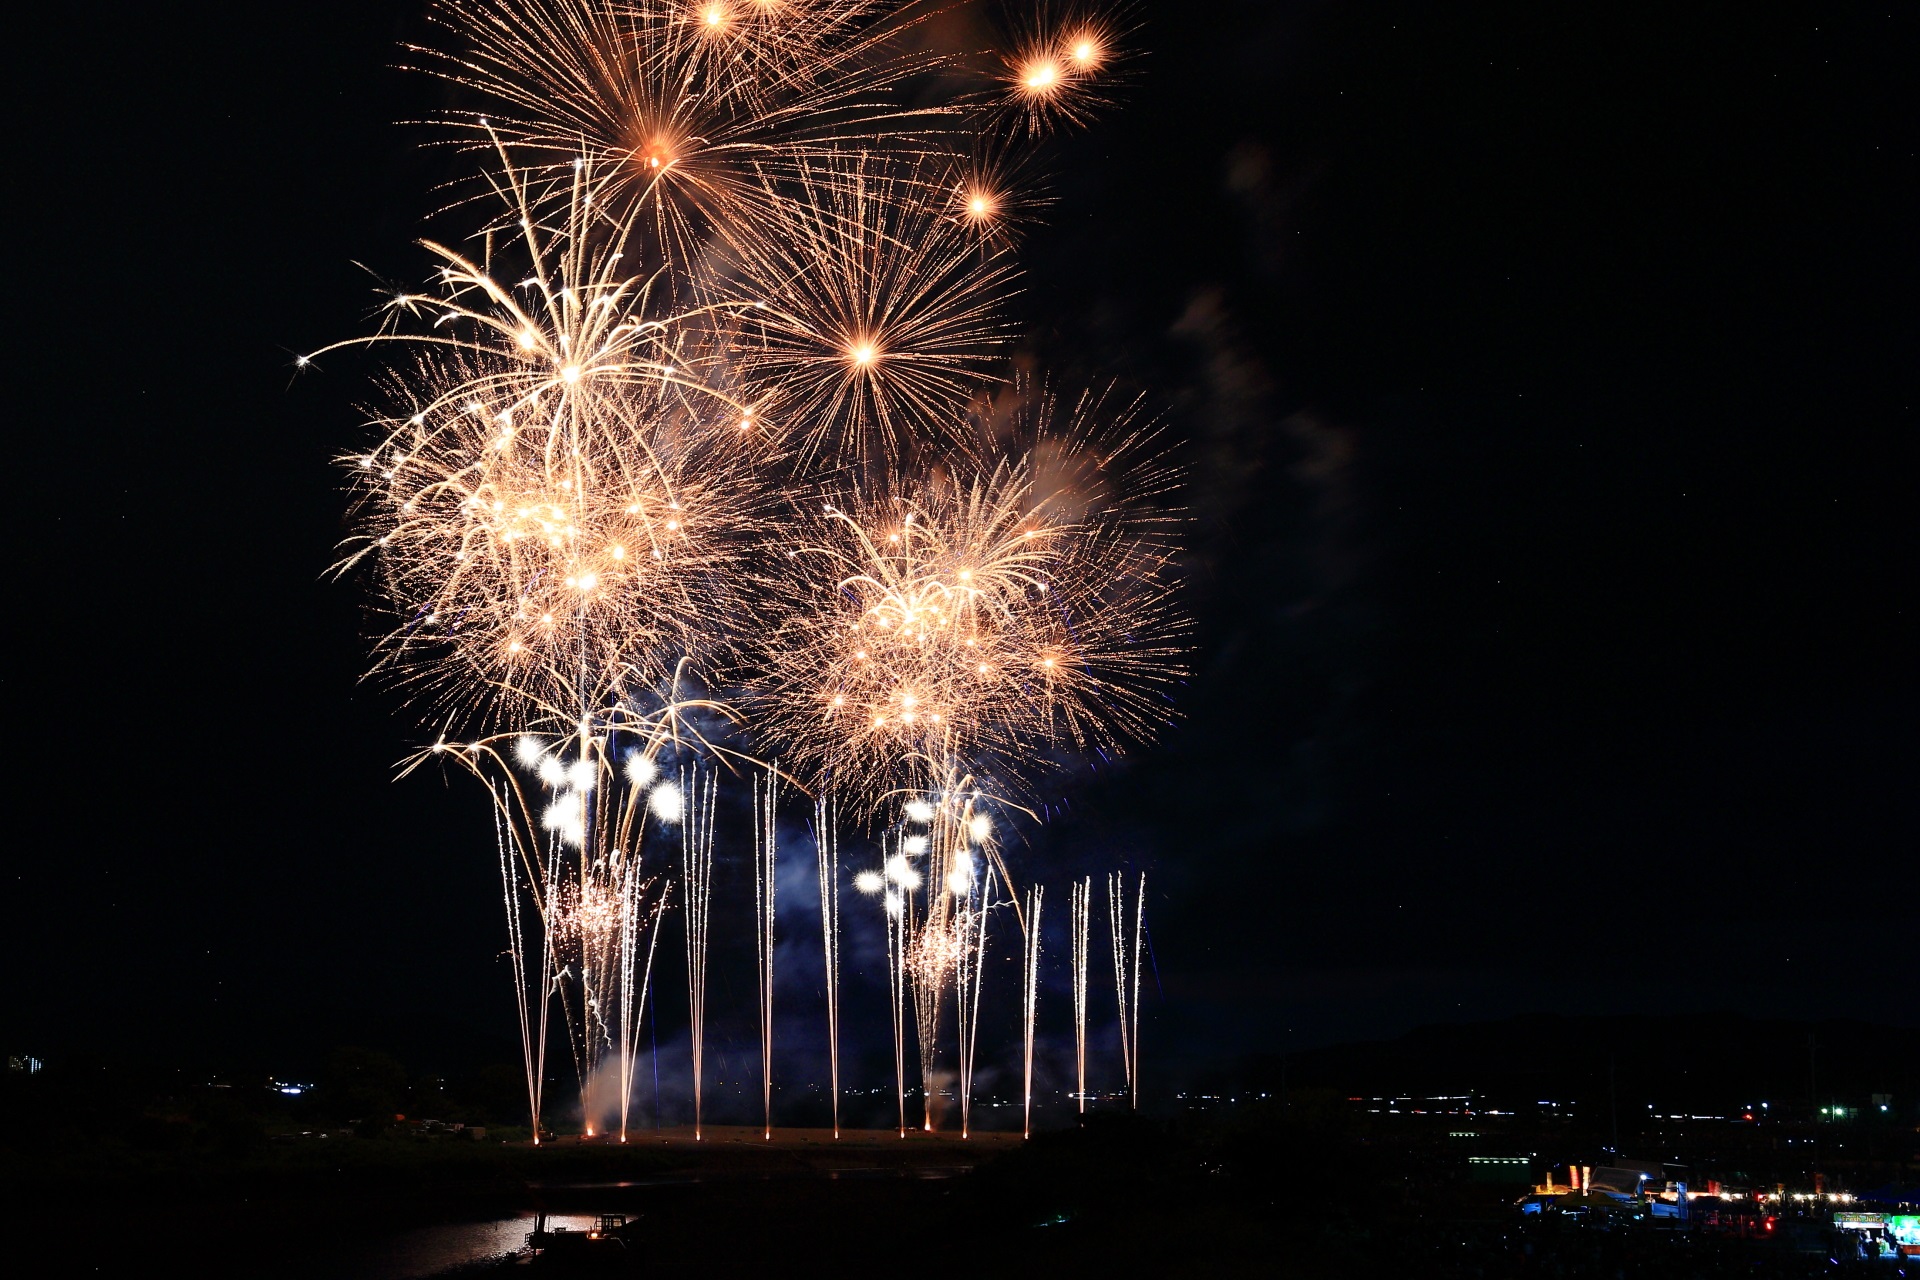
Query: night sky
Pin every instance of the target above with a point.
(1546, 376)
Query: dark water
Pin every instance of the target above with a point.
(427, 1251)
(420, 1252)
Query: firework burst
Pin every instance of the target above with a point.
(877, 308)
(698, 106)
(556, 501)
(962, 626)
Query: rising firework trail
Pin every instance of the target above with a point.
(897, 989)
(599, 911)
(532, 1002)
(1126, 970)
(827, 852)
(930, 937)
(885, 886)
(696, 869)
(1030, 1001)
(970, 926)
(1082, 896)
(633, 1001)
(766, 849)
(580, 911)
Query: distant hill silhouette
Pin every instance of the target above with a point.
(1718, 1061)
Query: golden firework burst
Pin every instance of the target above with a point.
(972, 622)
(557, 506)
(876, 312)
(698, 108)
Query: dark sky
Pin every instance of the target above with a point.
(1547, 378)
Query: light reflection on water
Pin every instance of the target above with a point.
(429, 1251)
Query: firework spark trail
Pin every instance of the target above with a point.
(592, 896)
(1126, 971)
(582, 920)
(889, 886)
(1139, 952)
(1030, 1003)
(936, 935)
(969, 969)
(696, 863)
(1116, 932)
(925, 980)
(633, 1001)
(920, 962)
(897, 993)
(533, 1052)
(576, 859)
(827, 851)
(942, 932)
(1082, 896)
(549, 980)
(766, 849)
(580, 1040)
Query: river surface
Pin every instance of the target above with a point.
(416, 1253)
(422, 1251)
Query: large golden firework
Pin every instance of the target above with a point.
(971, 624)
(556, 509)
(699, 108)
(876, 310)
